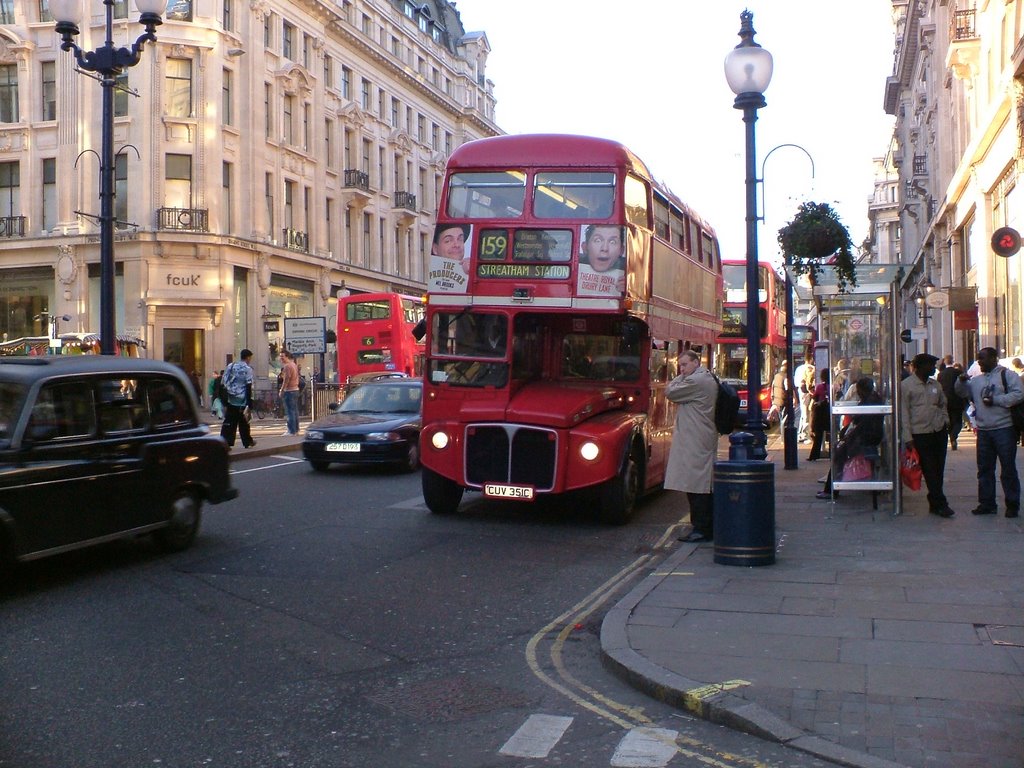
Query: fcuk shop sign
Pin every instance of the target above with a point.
(187, 282)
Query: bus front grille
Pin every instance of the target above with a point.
(508, 453)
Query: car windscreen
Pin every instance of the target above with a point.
(382, 398)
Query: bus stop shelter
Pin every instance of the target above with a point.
(858, 333)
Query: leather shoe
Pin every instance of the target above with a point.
(250, 444)
(983, 511)
(695, 537)
(1012, 512)
(824, 495)
(943, 512)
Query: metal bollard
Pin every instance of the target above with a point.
(744, 506)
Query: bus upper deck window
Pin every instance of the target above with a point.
(487, 195)
(574, 195)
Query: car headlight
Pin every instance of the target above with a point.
(382, 437)
(314, 434)
(589, 450)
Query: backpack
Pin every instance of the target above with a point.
(233, 381)
(727, 407)
(302, 382)
(1016, 411)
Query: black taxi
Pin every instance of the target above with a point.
(95, 448)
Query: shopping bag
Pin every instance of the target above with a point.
(856, 468)
(910, 469)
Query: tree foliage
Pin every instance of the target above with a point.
(815, 237)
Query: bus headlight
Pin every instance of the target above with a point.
(439, 440)
(589, 450)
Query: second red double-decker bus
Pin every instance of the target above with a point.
(375, 333)
(563, 285)
(731, 348)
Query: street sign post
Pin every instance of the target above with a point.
(305, 335)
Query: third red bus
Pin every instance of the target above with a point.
(375, 334)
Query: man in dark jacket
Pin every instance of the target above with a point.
(948, 374)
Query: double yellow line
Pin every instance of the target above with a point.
(587, 697)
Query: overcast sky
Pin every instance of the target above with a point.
(649, 73)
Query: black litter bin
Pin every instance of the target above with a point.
(744, 512)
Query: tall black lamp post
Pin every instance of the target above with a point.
(107, 61)
(748, 69)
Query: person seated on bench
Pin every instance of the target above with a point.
(863, 431)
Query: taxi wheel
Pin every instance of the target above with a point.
(441, 494)
(183, 524)
(619, 495)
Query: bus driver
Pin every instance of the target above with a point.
(601, 270)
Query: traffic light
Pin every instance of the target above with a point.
(1006, 241)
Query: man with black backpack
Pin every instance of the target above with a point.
(691, 460)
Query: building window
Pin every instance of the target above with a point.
(307, 127)
(10, 187)
(346, 82)
(228, 18)
(286, 119)
(44, 11)
(268, 195)
(178, 79)
(395, 111)
(367, 229)
(421, 129)
(328, 219)
(49, 193)
(227, 86)
(268, 35)
(226, 202)
(367, 26)
(178, 181)
(121, 94)
(328, 71)
(367, 149)
(920, 165)
(348, 148)
(49, 90)
(348, 233)
(287, 40)
(435, 137)
(9, 93)
(307, 50)
(329, 143)
(121, 9)
(268, 119)
(381, 99)
(289, 200)
(121, 191)
(380, 168)
(365, 94)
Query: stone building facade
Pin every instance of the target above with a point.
(270, 155)
(956, 92)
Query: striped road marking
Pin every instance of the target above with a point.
(537, 736)
(646, 748)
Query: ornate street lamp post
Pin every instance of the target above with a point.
(107, 61)
(748, 69)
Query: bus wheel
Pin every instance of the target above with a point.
(440, 493)
(619, 495)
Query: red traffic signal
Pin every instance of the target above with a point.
(1006, 241)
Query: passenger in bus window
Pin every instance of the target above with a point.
(602, 263)
(449, 259)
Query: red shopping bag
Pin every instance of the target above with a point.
(910, 469)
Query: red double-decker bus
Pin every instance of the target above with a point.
(731, 347)
(564, 283)
(375, 333)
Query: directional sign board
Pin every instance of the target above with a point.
(305, 335)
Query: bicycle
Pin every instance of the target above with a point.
(268, 404)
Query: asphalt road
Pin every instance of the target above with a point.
(327, 619)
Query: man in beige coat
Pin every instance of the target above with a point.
(691, 460)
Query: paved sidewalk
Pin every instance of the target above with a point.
(268, 434)
(872, 641)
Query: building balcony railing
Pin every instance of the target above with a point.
(405, 200)
(357, 179)
(190, 219)
(295, 240)
(962, 25)
(12, 226)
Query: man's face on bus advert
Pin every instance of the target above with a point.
(603, 247)
(450, 243)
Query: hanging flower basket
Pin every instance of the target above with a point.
(816, 237)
